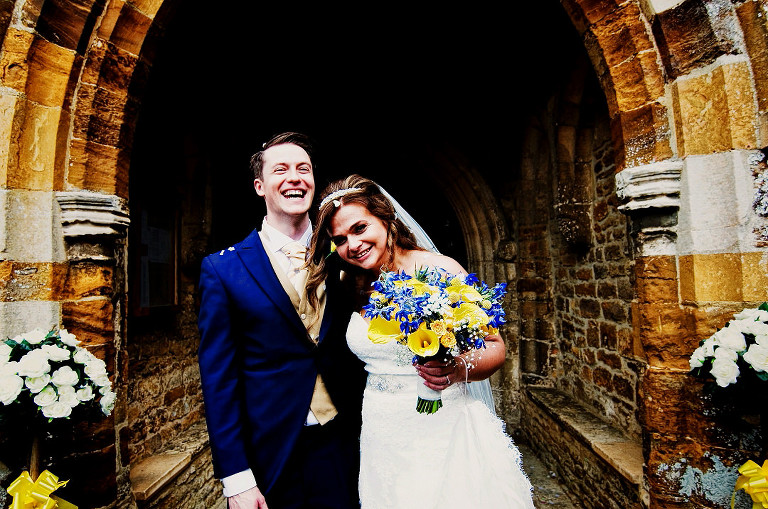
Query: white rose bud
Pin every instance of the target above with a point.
(731, 337)
(46, 397)
(697, 358)
(68, 338)
(36, 385)
(85, 394)
(725, 371)
(57, 410)
(34, 364)
(102, 381)
(108, 402)
(56, 353)
(751, 327)
(10, 388)
(65, 376)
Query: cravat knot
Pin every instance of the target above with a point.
(296, 253)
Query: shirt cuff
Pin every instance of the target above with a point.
(237, 483)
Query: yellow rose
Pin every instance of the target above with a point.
(424, 342)
(382, 331)
(439, 327)
(448, 340)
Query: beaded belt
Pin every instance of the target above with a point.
(389, 383)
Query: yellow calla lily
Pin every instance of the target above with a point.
(466, 293)
(419, 287)
(474, 316)
(424, 342)
(382, 331)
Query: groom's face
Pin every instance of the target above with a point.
(287, 182)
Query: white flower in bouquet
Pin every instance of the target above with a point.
(725, 371)
(757, 356)
(57, 410)
(95, 368)
(5, 353)
(46, 397)
(56, 353)
(752, 314)
(9, 368)
(731, 338)
(108, 401)
(68, 338)
(65, 376)
(33, 337)
(85, 394)
(751, 327)
(34, 364)
(10, 387)
(68, 396)
(37, 384)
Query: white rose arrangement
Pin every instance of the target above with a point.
(741, 345)
(51, 372)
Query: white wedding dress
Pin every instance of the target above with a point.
(458, 457)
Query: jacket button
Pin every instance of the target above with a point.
(303, 316)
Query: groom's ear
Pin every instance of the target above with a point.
(258, 185)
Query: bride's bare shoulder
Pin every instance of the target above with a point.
(430, 259)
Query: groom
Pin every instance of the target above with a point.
(282, 391)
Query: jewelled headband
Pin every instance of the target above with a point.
(334, 196)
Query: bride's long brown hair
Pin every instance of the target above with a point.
(367, 194)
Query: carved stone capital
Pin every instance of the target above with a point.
(651, 186)
(92, 214)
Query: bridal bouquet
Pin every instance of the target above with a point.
(739, 348)
(50, 373)
(435, 314)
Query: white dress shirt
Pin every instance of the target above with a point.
(273, 242)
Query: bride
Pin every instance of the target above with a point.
(457, 457)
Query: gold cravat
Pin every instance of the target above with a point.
(296, 253)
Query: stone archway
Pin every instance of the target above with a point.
(73, 76)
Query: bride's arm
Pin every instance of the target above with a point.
(472, 366)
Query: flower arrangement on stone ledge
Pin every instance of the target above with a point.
(49, 372)
(740, 349)
(736, 356)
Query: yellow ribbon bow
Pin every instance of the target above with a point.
(37, 495)
(754, 481)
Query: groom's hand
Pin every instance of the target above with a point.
(250, 499)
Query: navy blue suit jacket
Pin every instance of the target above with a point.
(258, 366)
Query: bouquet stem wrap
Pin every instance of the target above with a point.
(429, 400)
(37, 495)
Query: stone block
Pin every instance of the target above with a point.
(92, 321)
(49, 70)
(63, 23)
(645, 132)
(21, 281)
(708, 117)
(14, 58)
(11, 117)
(130, 29)
(19, 317)
(686, 37)
(656, 279)
(666, 331)
(754, 270)
(754, 24)
(37, 147)
(94, 167)
(715, 203)
(29, 218)
(711, 277)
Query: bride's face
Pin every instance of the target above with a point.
(360, 237)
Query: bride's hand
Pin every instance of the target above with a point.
(439, 375)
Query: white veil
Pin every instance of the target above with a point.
(479, 390)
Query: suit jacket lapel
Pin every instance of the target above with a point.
(254, 257)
